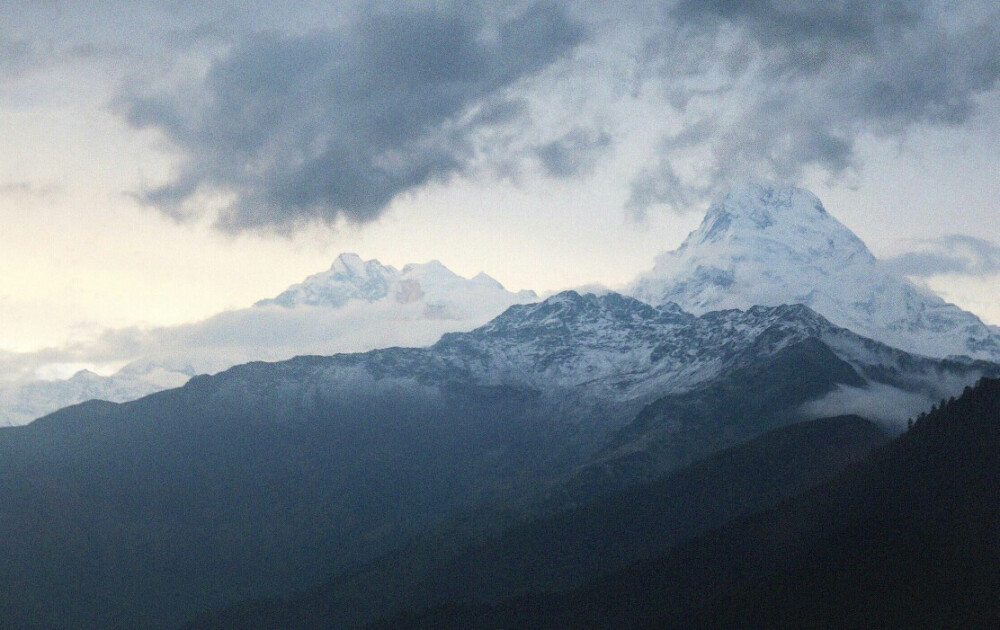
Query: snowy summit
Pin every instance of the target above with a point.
(443, 293)
(769, 245)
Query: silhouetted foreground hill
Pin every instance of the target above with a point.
(910, 539)
(566, 549)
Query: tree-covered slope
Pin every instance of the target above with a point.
(565, 549)
(908, 540)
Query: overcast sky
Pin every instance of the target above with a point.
(164, 161)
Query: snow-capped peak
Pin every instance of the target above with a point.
(349, 278)
(444, 294)
(769, 244)
(754, 213)
(486, 280)
(351, 265)
(432, 272)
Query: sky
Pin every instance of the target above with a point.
(166, 161)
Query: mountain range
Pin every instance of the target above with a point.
(528, 457)
(355, 305)
(440, 293)
(270, 477)
(759, 245)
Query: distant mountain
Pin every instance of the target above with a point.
(355, 305)
(570, 546)
(349, 278)
(442, 293)
(271, 477)
(770, 245)
(23, 401)
(907, 540)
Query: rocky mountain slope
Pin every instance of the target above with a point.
(770, 245)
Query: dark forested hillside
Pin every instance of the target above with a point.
(142, 514)
(563, 550)
(908, 540)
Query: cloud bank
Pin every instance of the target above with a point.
(292, 127)
(771, 89)
(334, 125)
(954, 254)
(280, 117)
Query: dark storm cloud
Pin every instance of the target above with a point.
(955, 254)
(16, 56)
(573, 153)
(19, 56)
(332, 125)
(660, 184)
(795, 22)
(774, 88)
